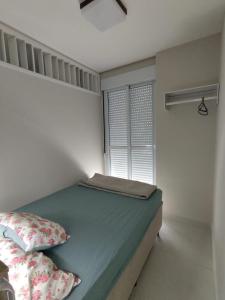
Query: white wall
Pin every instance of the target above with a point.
(50, 137)
(185, 141)
(219, 204)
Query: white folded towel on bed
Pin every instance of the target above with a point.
(121, 186)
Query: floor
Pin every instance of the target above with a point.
(179, 266)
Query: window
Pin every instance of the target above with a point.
(129, 141)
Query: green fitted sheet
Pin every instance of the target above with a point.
(105, 230)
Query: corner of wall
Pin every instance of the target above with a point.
(218, 243)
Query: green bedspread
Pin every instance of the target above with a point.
(105, 231)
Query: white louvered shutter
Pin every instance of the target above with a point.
(141, 116)
(118, 132)
(129, 132)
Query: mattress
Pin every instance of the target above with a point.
(105, 230)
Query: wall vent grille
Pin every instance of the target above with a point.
(24, 52)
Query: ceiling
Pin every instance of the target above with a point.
(151, 26)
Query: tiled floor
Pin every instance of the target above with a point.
(179, 266)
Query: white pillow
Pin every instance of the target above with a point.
(34, 275)
(31, 232)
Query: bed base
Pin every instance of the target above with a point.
(128, 279)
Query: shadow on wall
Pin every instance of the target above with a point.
(32, 163)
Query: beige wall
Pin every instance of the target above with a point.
(50, 137)
(219, 204)
(185, 140)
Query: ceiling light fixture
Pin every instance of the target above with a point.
(103, 14)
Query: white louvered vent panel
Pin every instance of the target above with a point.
(38, 61)
(48, 64)
(61, 66)
(67, 73)
(141, 115)
(30, 57)
(2, 46)
(78, 76)
(55, 67)
(85, 80)
(90, 82)
(73, 75)
(20, 50)
(22, 54)
(81, 77)
(11, 50)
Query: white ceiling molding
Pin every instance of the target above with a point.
(137, 76)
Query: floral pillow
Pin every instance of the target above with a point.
(31, 232)
(34, 275)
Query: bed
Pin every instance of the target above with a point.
(111, 237)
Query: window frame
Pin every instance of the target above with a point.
(129, 147)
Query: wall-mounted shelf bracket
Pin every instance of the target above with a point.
(191, 95)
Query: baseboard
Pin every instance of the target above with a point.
(214, 266)
(168, 216)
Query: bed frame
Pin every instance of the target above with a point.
(124, 286)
